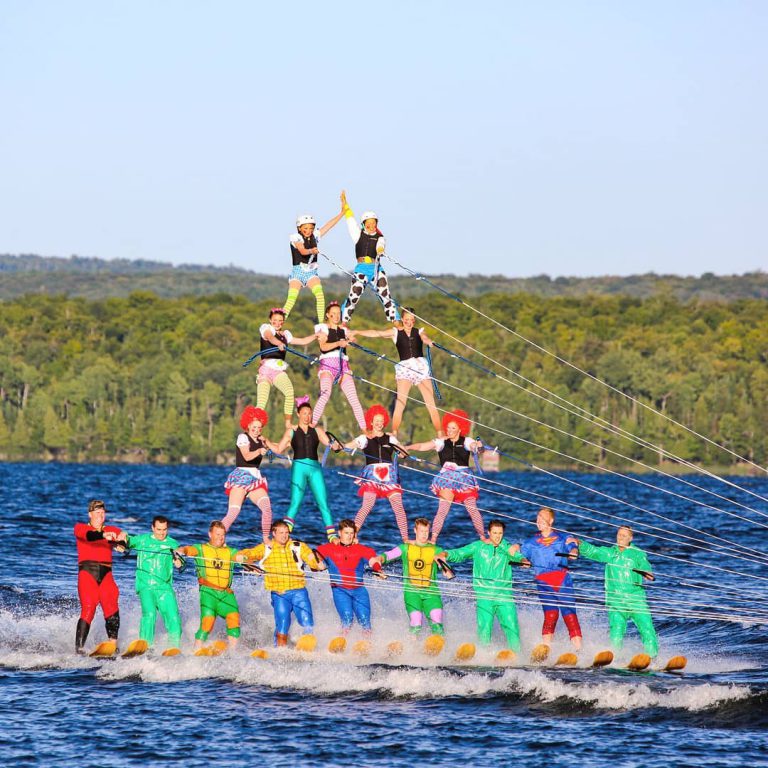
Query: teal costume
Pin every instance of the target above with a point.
(624, 594)
(154, 586)
(492, 582)
(306, 469)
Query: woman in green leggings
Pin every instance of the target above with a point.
(305, 441)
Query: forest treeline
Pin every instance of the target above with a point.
(146, 378)
(93, 278)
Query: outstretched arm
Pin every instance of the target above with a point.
(375, 334)
(429, 445)
(302, 341)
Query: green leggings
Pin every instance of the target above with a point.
(506, 612)
(284, 385)
(162, 599)
(308, 471)
(617, 623)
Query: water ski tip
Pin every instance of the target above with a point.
(172, 652)
(465, 652)
(337, 645)
(204, 651)
(567, 660)
(639, 662)
(259, 653)
(135, 648)
(395, 648)
(106, 649)
(602, 659)
(306, 643)
(506, 656)
(434, 644)
(676, 664)
(540, 653)
(362, 648)
(218, 647)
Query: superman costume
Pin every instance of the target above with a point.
(553, 580)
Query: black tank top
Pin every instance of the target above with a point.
(253, 445)
(455, 452)
(409, 346)
(336, 334)
(266, 344)
(305, 444)
(379, 450)
(366, 245)
(309, 242)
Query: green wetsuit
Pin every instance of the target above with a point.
(492, 582)
(624, 594)
(154, 586)
(421, 594)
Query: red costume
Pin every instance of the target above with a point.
(95, 583)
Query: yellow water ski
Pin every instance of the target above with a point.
(337, 645)
(172, 652)
(395, 648)
(639, 662)
(135, 648)
(306, 643)
(567, 660)
(204, 651)
(218, 647)
(465, 652)
(434, 644)
(540, 653)
(104, 650)
(260, 653)
(506, 656)
(676, 664)
(602, 659)
(361, 648)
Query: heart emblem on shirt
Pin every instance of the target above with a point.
(382, 472)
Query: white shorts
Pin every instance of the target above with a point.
(415, 370)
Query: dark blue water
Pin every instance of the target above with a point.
(59, 709)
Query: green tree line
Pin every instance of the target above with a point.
(145, 378)
(94, 278)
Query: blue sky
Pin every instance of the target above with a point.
(521, 138)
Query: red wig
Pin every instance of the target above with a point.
(250, 414)
(462, 421)
(376, 410)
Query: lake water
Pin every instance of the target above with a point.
(58, 709)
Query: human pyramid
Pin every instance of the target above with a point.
(283, 560)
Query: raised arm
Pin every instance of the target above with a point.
(329, 225)
(352, 226)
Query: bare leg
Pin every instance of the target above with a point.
(428, 393)
(403, 388)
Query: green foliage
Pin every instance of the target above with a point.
(146, 378)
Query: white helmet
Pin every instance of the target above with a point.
(368, 215)
(305, 219)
